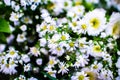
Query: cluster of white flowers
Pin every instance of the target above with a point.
(61, 39)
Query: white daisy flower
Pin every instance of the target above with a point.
(21, 77)
(76, 11)
(43, 42)
(25, 58)
(52, 61)
(74, 25)
(50, 71)
(96, 21)
(106, 74)
(12, 53)
(33, 7)
(27, 67)
(15, 16)
(82, 44)
(113, 27)
(95, 50)
(58, 51)
(81, 61)
(63, 68)
(27, 20)
(21, 37)
(80, 76)
(96, 67)
(64, 36)
(34, 51)
(9, 68)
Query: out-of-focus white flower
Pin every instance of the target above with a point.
(2, 47)
(52, 61)
(118, 52)
(58, 51)
(96, 67)
(9, 67)
(12, 53)
(21, 37)
(95, 50)
(80, 76)
(63, 68)
(117, 78)
(106, 74)
(27, 20)
(23, 27)
(44, 51)
(33, 7)
(7, 2)
(113, 27)
(93, 1)
(34, 51)
(25, 58)
(27, 67)
(15, 16)
(81, 61)
(21, 77)
(32, 78)
(39, 61)
(118, 63)
(42, 42)
(50, 71)
(76, 12)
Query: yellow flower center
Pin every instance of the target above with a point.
(12, 52)
(95, 66)
(71, 44)
(97, 49)
(95, 23)
(83, 26)
(12, 63)
(44, 27)
(16, 17)
(26, 20)
(51, 28)
(35, 0)
(91, 75)
(77, 3)
(7, 65)
(34, 50)
(74, 24)
(81, 44)
(63, 37)
(2, 61)
(50, 73)
(50, 6)
(65, 4)
(59, 49)
(116, 29)
(81, 77)
(51, 62)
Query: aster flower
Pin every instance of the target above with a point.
(63, 68)
(96, 21)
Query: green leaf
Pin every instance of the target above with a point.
(2, 38)
(4, 26)
(50, 77)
